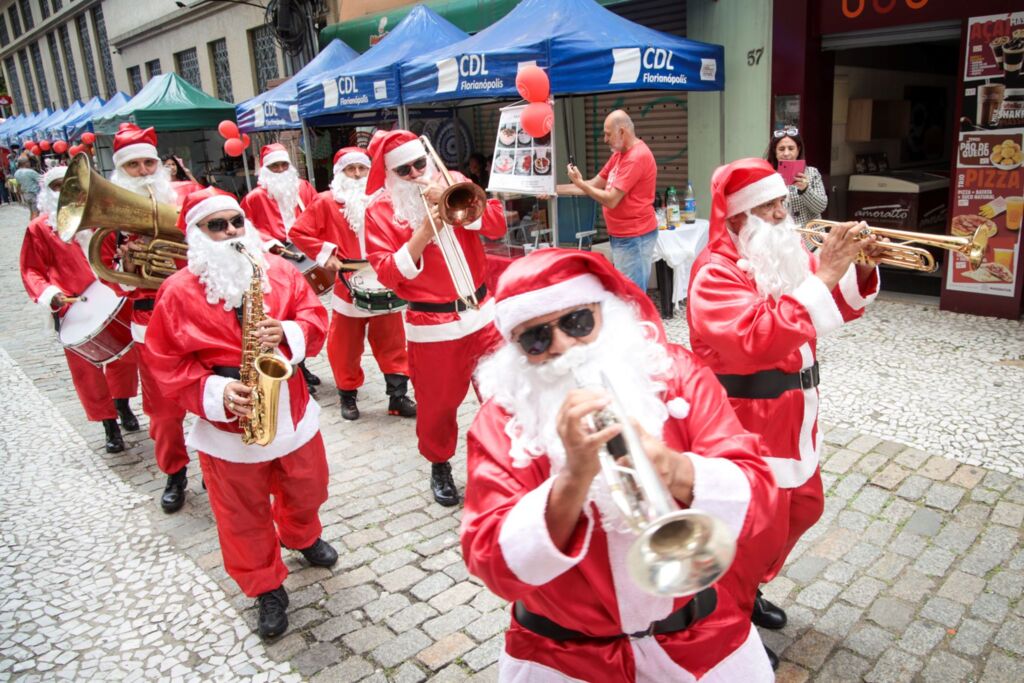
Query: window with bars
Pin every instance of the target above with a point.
(12, 12)
(4, 36)
(264, 56)
(186, 63)
(44, 8)
(14, 83)
(65, 47)
(26, 14)
(87, 57)
(153, 68)
(26, 71)
(57, 5)
(221, 70)
(101, 42)
(37, 62)
(58, 72)
(135, 79)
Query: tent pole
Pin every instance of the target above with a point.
(245, 168)
(308, 149)
(721, 127)
(403, 117)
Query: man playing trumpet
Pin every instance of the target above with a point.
(540, 526)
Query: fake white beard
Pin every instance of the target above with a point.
(405, 195)
(283, 188)
(775, 254)
(352, 193)
(223, 271)
(46, 202)
(160, 182)
(82, 237)
(533, 394)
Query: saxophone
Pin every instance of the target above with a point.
(260, 370)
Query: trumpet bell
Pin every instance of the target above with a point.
(462, 203)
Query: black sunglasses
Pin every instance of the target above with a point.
(536, 340)
(783, 132)
(406, 169)
(221, 224)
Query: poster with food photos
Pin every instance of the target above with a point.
(522, 163)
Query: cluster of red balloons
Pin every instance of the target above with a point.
(86, 146)
(61, 146)
(234, 142)
(533, 85)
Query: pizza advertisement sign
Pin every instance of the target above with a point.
(522, 163)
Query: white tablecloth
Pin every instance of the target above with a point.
(679, 248)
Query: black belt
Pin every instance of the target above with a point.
(449, 307)
(769, 383)
(143, 304)
(232, 371)
(702, 605)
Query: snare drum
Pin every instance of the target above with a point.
(320, 279)
(98, 326)
(369, 294)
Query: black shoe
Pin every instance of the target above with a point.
(402, 406)
(773, 658)
(320, 554)
(349, 410)
(442, 485)
(767, 615)
(273, 617)
(311, 379)
(124, 411)
(174, 492)
(115, 444)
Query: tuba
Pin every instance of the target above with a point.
(88, 200)
(677, 552)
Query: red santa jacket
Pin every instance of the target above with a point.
(51, 266)
(261, 209)
(429, 280)
(506, 543)
(188, 337)
(735, 330)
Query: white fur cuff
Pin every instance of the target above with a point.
(849, 287)
(406, 266)
(139, 150)
(296, 340)
(47, 296)
(757, 193)
(271, 243)
(275, 157)
(210, 206)
(213, 399)
(405, 153)
(582, 289)
(326, 252)
(350, 158)
(815, 297)
(721, 489)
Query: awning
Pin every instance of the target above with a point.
(37, 132)
(83, 122)
(54, 128)
(26, 126)
(168, 103)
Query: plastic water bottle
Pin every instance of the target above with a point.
(671, 207)
(689, 205)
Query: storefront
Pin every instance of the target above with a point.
(908, 108)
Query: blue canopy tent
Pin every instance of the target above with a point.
(14, 135)
(39, 128)
(54, 128)
(12, 123)
(277, 108)
(86, 109)
(83, 122)
(371, 81)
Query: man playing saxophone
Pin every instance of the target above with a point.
(195, 345)
(541, 526)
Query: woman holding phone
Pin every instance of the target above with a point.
(807, 198)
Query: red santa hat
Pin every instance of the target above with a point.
(347, 156)
(273, 153)
(202, 203)
(132, 142)
(550, 280)
(746, 183)
(388, 150)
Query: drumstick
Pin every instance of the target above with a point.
(74, 299)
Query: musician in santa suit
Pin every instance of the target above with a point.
(54, 271)
(445, 337)
(331, 231)
(540, 527)
(137, 167)
(262, 497)
(758, 302)
(279, 199)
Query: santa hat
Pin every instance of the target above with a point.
(389, 150)
(202, 203)
(347, 156)
(746, 183)
(550, 280)
(55, 173)
(132, 142)
(273, 153)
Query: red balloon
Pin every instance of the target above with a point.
(60, 146)
(33, 149)
(44, 145)
(537, 119)
(228, 130)
(75, 149)
(88, 138)
(233, 147)
(245, 140)
(533, 84)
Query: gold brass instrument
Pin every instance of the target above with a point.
(261, 371)
(88, 200)
(678, 552)
(901, 253)
(460, 204)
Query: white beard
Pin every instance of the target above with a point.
(159, 182)
(405, 195)
(283, 188)
(46, 202)
(533, 394)
(225, 273)
(82, 237)
(351, 192)
(776, 255)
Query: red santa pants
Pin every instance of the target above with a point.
(441, 373)
(165, 418)
(799, 509)
(98, 387)
(240, 496)
(345, 347)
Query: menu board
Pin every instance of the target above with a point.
(522, 163)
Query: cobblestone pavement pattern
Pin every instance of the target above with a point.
(915, 571)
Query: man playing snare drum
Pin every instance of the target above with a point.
(330, 231)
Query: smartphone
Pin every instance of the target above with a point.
(572, 160)
(790, 169)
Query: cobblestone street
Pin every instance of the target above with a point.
(915, 571)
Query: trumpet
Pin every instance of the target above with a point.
(902, 253)
(677, 552)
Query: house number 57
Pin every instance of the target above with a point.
(754, 56)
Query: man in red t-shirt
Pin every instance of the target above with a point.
(625, 190)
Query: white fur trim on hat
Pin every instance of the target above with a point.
(350, 158)
(275, 157)
(54, 173)
(405, 153)
(515, 310)
(140, 150)
(210, 206)
(756, 193)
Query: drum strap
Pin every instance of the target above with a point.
(143, 304)
(56, 322)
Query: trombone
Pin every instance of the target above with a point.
(902, 253)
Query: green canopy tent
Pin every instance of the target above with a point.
(168, 103)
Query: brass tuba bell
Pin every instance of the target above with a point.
(90, 201)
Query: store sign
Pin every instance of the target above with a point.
(466, 73)
(652, 66)
(343, 91)
(522, 163)
(840, 16)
